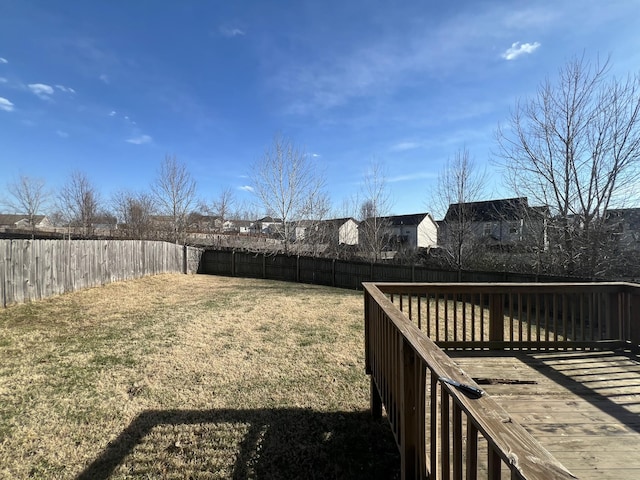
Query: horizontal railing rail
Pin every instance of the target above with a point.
(446, 432)
(521, 316)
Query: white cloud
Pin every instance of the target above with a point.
(246, 188)
(518, 49)
(104, 78)
(62, 88)
(140, 140)
(3, 60)
(231, 32)
(6, 105)
(402, 146)
(62, 134)
(411, 176)
(3, 80)
(41, 90)
(113, 112)
(315, 155)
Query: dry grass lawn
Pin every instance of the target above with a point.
(179, 376)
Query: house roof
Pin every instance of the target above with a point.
(269, 219)
(491, 210)
(411, 219)
(11, 219)
(332, 222)
(399, 220)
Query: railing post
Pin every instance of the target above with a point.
(496, 317)
(375, 399)
(409, 442)
(615, 317)
(634, 317)
(367, 332)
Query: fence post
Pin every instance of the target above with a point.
(264, 265)
(233, 263)
(496, 318)
(333, 272)
(185, 266)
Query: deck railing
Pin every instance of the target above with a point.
(446, 432)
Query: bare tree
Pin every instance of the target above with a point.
(174, 192)
(79, 200)
(314, 233)
(459, 184)
(134, 211)
(27, 195)
(374, 212)
(575, 146)
(222, 205)
(287, 184)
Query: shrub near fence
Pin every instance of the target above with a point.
(342, 273)
(35, 269)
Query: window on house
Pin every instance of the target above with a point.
(487, 229)
(514, 229)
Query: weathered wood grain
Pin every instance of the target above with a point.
(34, 269)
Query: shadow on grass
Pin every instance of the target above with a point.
(238, 444)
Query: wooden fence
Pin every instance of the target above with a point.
(341, 273)
(35, 269)
(436, 426)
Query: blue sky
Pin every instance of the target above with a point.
(111, 87)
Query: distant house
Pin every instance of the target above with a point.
(402, 232)
(105, 222)
(196, 222)
(237, 226)
(418, 230)
(498, 223)
(266, 226)
(23, 222)
(624, 226)
(338, 231)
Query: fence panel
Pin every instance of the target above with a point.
(352, 274)
(318, 271)
(281, 267)
(345, 273)
(35, 269)
(249, 265)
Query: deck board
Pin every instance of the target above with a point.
(583, 407)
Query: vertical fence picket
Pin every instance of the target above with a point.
(35, 269)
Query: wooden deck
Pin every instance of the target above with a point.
(582, 406)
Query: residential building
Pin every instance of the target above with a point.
(196, 222)
(266, 226)
(624, 226)
(400, 232)
(237, 226)
(496, 223)
(22, 222)
(337, 231)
